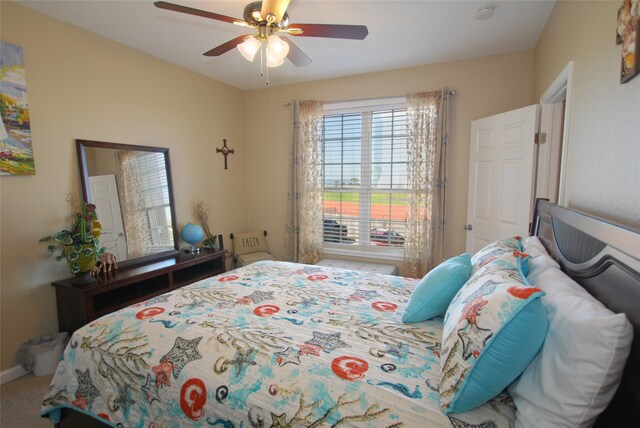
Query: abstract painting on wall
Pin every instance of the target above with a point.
(16, 150)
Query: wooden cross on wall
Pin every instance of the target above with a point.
(225, 151)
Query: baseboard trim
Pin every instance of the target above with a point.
(12, 374)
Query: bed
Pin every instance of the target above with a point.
(604, 258)
(281, 344)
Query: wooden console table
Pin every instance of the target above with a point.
(79, 305)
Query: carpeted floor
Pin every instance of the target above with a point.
(20, 402)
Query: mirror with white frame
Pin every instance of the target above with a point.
(131, 188)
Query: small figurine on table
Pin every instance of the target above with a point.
(106, 263)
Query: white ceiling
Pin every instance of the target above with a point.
(401, 34)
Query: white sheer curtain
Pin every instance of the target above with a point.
(426, 121)
(135, 219)
(304, 214)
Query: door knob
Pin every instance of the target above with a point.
(468, 227)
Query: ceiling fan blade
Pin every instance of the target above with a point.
(295, 55)
(334, 31)
(276, 8)
(203, 13)
(226, 47)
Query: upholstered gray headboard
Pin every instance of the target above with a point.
(604, 258)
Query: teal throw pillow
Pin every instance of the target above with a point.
(493, 329)
(434, 292)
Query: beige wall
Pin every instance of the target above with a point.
(83, 86)
(603, 156)
(484, 87)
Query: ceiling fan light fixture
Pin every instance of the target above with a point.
(273, 61)
(269, 17)
(277, 51)
(276, 46)
(249, 48)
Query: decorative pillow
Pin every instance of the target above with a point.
(249, 242)
(247, 259)
(578, 369)
(493, 329)
(434, 292)
(497, 248)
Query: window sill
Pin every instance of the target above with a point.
(374, 253)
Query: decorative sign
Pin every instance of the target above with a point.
(250, 242)
(225, 152)
(628, 34)
(16, 151)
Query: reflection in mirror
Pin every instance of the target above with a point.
(131, 188)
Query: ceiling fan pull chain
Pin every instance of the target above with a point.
(267, 73)
(261, 59)
(266, 59)
(264, 68)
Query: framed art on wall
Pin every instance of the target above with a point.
(628, 34)
(16, 151)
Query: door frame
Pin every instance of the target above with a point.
(560, 90)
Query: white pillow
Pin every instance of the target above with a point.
(578, 369)
(540, 258)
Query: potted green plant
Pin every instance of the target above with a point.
(80, 245)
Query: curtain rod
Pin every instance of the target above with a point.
(288, 103)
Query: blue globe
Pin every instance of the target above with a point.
(191, 233)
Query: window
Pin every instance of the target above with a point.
(153, 184)
(365, 176)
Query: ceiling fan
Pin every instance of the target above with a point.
(269, 17)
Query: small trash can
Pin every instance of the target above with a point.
(42, 354)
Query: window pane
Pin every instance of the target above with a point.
(381, 150)
(352, 151)
(352, 126)
(333, 176)
(341, 221)
(351, 176)
(333, 151)
(389, 150)
(382, 123)
(389, 123)
(381, 176)
(388, 215)
(342, 150)
(342, 126)
(400, 149)
(399, 177)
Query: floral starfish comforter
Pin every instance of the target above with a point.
(272, 344)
